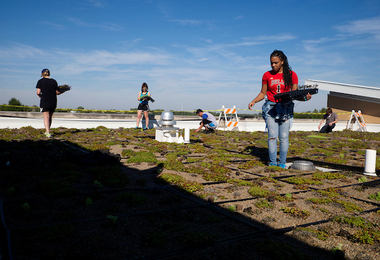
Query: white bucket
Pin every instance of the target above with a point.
(370, 162)
(187, 135)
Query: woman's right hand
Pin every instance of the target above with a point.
(250, 105)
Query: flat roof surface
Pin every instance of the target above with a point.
(249, 126)
(363, 91)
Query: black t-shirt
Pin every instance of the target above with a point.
(48, 88)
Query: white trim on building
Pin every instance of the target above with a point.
(364, 91)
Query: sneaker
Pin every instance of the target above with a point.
(136, 127)
(282, 165)
(47, 135)
(272, 164)
(146, 128)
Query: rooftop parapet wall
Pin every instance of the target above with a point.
(88, 115)
(122, 116)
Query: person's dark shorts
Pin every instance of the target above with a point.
(143, 107)
(51, 109)
(206, 124)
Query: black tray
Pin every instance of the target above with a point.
(295, 95)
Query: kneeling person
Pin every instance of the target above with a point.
(208, 121)
(331, 119)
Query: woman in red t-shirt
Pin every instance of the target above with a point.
(278, 116)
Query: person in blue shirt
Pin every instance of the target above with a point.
(208, 122)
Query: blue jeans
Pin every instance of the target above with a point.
(327, 129)
(279, 120)
(278, 129)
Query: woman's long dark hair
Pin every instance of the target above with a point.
(287, 70)
(144, 85)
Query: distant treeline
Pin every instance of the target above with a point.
(307, 115)
(19, 108)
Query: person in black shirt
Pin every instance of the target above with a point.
(47, 90)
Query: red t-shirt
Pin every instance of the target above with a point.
(275, 83)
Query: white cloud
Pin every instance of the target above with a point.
(227, 54)
(271, 38)
(187, 21)
(110, 27)
(263, 39)
(206, 40)
(366, 26)
(53, 25)
(106, 58)
(79, 22)
(96, 3)
(21, 51)
(105, 25)
(366, 32)
(317, 45)
(239, 17)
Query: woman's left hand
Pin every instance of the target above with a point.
(308, 96)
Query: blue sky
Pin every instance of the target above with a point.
(193, 54)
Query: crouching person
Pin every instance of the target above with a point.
(208, 122)
(331, 119)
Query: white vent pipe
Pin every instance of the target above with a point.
(370, 162)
